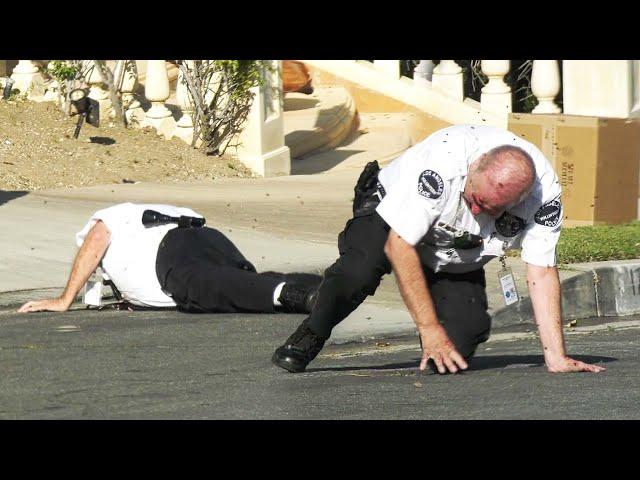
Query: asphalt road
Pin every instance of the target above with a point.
(167, 365)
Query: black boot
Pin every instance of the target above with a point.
(299, 349)
(298, 297)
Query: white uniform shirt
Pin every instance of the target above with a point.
(424, 203)
(130, 259)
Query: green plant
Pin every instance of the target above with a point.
(524, 99)
(68, 74)
(596, 243)
(63, 70)
(220, 91)
(599, 243)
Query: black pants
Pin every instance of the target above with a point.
(460, 299)
(205, 272)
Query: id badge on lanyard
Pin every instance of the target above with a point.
(507, 283)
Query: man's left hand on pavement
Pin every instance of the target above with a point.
(568, 365)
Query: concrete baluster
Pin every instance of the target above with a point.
(184, 127)
(132, 108)
(157, 92)
(545, 85)
(447, 78)
(496, 94)
(423, 73)
(97, 90)
(28, 79)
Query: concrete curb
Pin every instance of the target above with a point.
(605, 289)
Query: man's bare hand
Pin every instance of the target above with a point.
(568, 365)
(437, 346)
(48, 305)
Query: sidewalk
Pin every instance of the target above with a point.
(283, 223)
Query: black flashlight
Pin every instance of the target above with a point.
(151, 218)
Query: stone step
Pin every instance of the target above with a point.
(318, 122)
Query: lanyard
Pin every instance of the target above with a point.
(507, 282)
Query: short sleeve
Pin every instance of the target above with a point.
(541, 236)
(113, 217)
(412, 205)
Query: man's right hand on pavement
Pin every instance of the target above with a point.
(47, 305)
(437, 346)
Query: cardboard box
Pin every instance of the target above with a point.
(597, 161)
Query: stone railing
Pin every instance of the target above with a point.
(603, 88)
(496, 97)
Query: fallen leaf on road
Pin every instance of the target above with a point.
(382, 344)
(417, 385)
(571, 324)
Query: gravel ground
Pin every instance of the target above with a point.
(38, 151)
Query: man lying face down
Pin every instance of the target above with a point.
(173, 260)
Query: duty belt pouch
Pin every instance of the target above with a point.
(366, 197)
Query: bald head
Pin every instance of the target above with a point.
(500, 178)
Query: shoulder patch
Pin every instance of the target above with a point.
(430, 184)
(549, 214)
(509, 225)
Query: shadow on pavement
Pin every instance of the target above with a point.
(320, 162)
(525, 361)
(8, 196)
(391, 366)
(478, 363)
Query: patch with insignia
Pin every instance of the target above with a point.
(430, 184)
(549, 214)
(509, 225)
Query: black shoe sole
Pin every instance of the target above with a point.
(287, 363)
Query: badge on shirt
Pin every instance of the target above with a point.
(509, 225)
(430, 184)
(549, 214)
